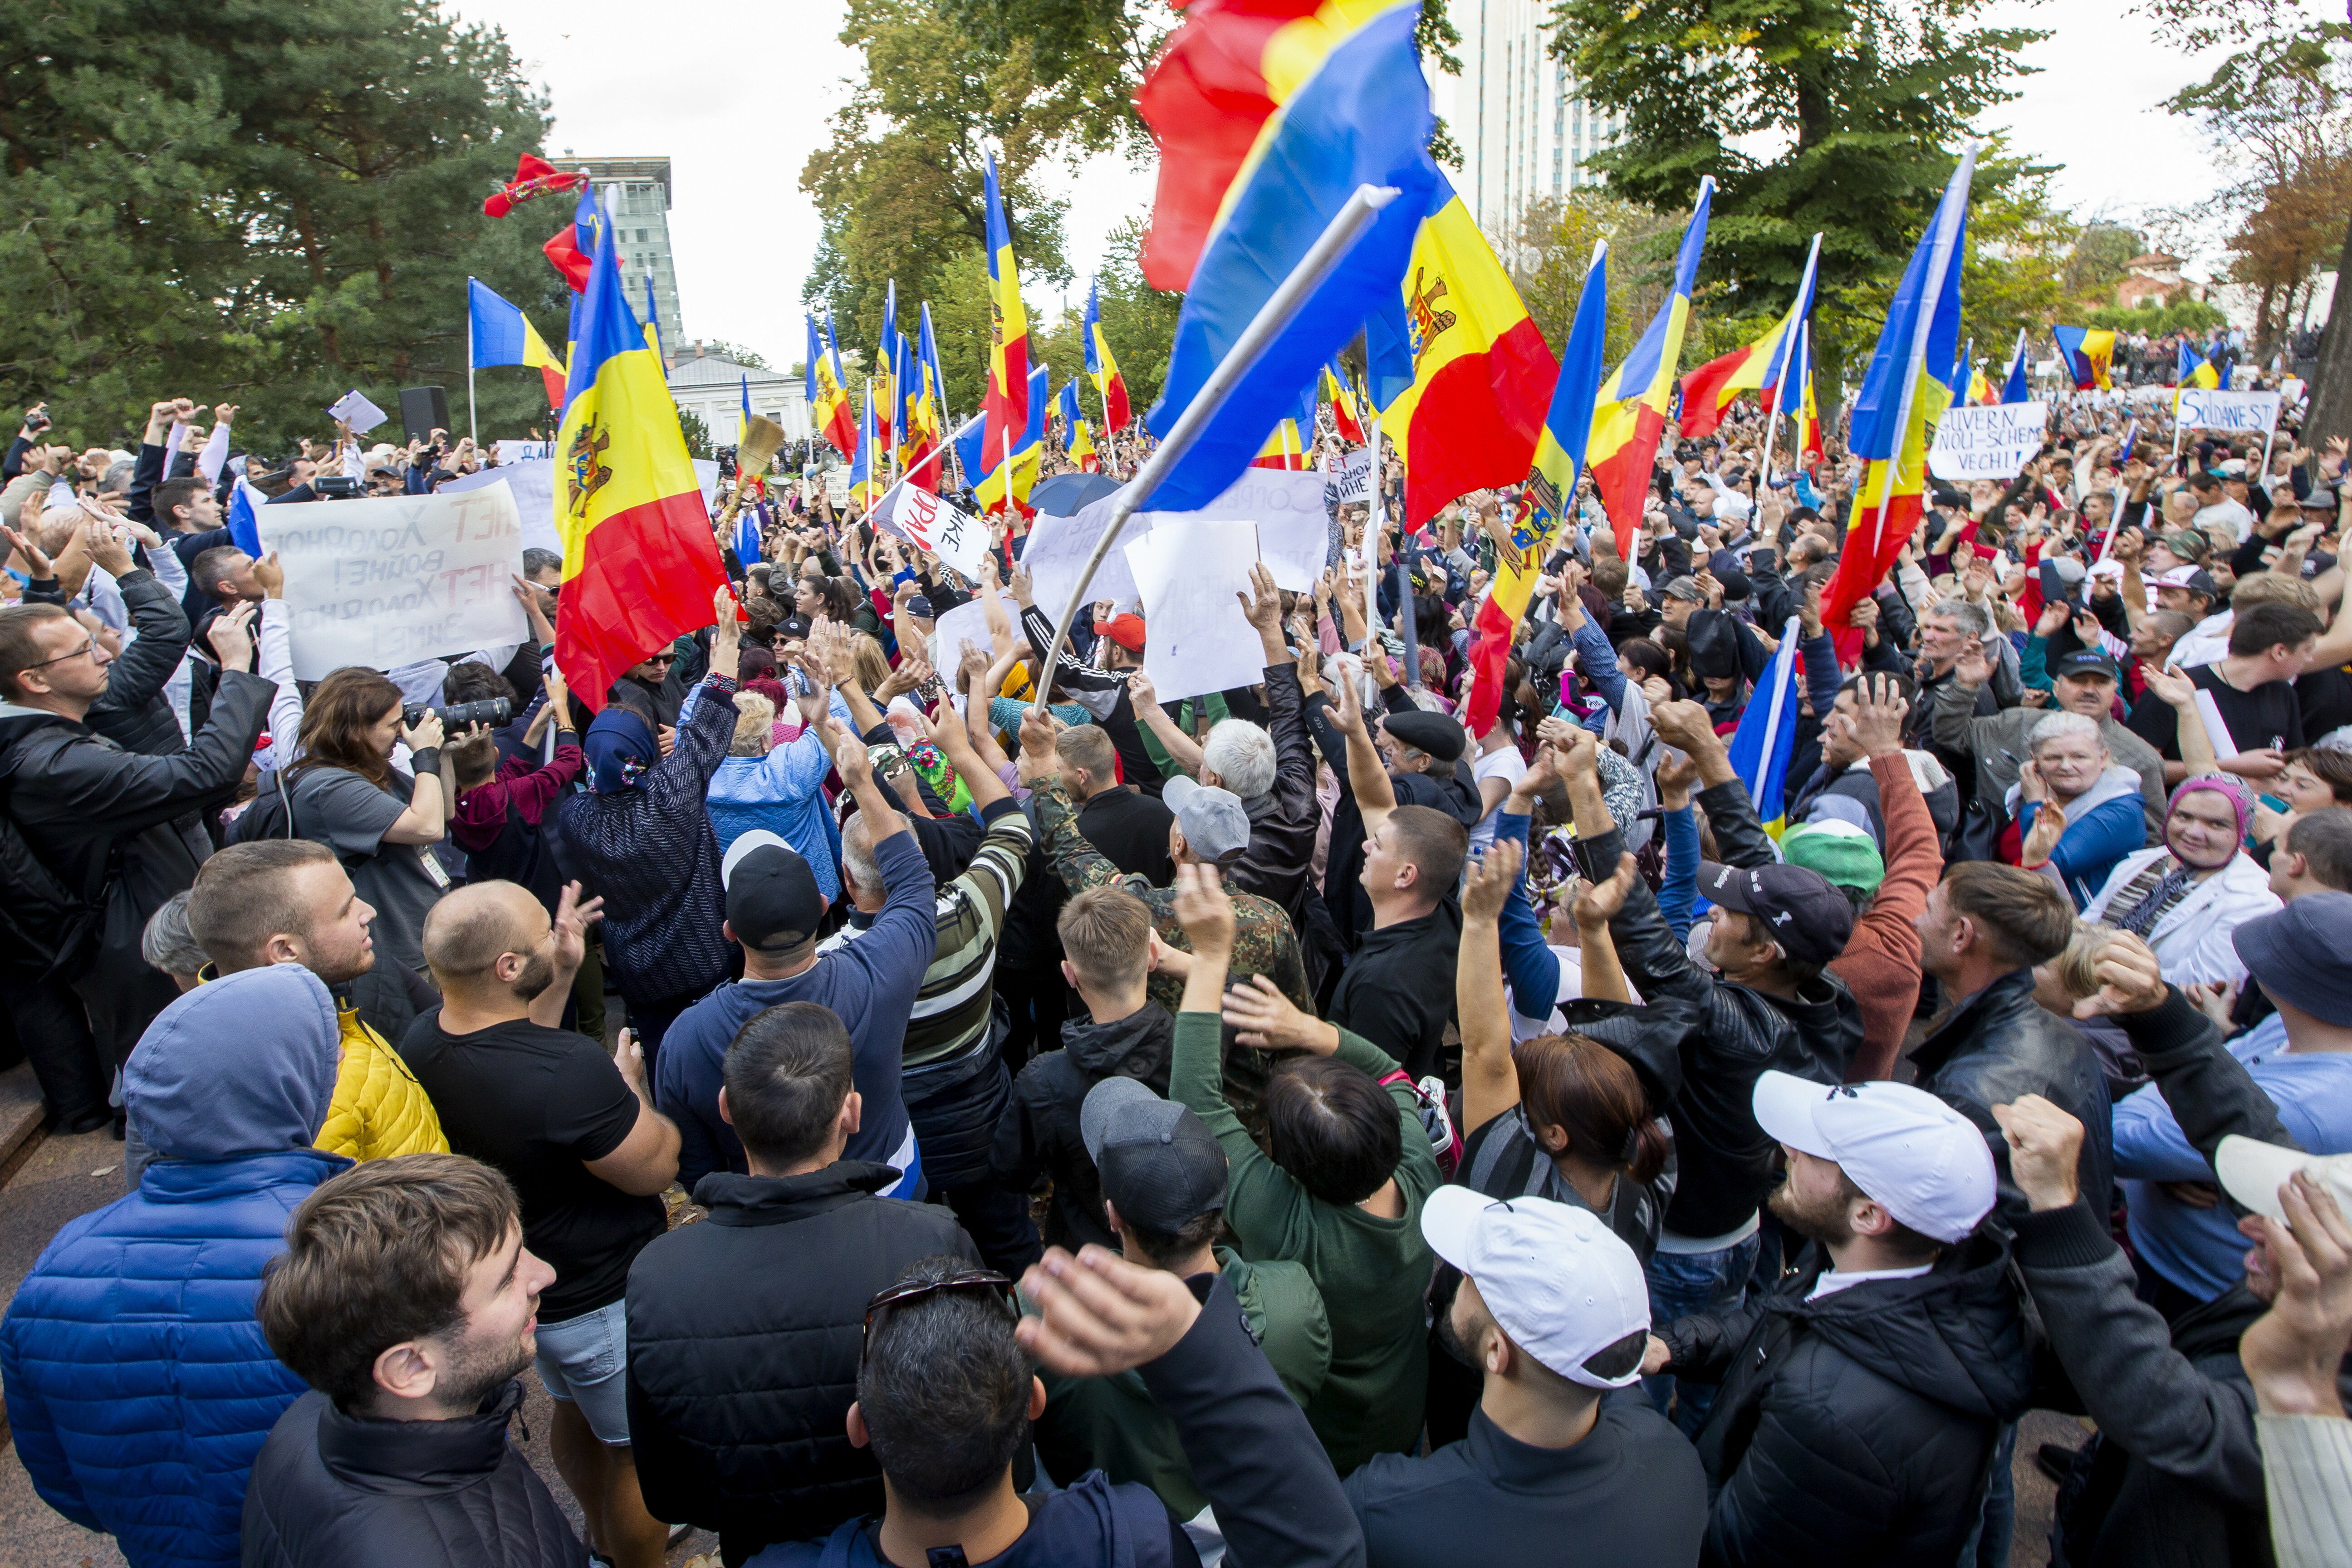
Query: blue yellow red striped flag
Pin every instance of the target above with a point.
(1006, 400)
(1632, 411)
(1103, 367)
(2014, 386)
(1077, 436)
(828, 400)
(1760, 747)
(1709, 391)
(2086, 353)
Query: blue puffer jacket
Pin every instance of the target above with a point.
(139, 1386)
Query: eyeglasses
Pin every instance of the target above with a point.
(661, 658)
(90, 646)
(968, 1280)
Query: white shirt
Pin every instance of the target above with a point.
(1832, 1281)
(2224, 511)
(1505, 764)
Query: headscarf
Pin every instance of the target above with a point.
(620, 747)
(2230, 787)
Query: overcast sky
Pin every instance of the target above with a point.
(738, 96)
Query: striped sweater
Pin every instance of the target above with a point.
(951, 1008)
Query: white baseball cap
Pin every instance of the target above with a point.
(2252, 1172)
(1916, 1157)
(1557, 1278)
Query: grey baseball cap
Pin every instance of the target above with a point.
(1215, 823)
(1159, 1164)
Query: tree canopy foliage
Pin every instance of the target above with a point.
(268, 204)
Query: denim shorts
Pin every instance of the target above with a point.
(584, 1361)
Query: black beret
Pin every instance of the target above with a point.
(1440, 737)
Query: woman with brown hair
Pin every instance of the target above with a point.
(343, 792)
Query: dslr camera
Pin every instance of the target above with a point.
(338, 487)
(456, 716)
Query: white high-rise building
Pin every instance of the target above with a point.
(635, 191)
(1524, 131)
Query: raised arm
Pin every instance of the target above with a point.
(1490, 1083)
(1182, 749)
(1367, 779)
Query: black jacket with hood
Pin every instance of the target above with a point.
(1858, 1428)
(366, 1493)
(133, 712)
(745, 1331)
(1039, 1133)
(1728, 1163)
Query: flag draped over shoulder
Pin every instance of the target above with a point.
(1077, 437)
(1480, 365)
(2086, 353)
(1760, 748)
(828, 401)
(1547, 497)
(1709, 391)
(1901, 397)
(1102, 365)
(1269, 114)
(1006, 401)
(639, 562)
(1631, 414)
(502, 335)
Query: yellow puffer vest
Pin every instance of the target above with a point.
(379, 1109)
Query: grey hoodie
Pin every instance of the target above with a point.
(243, 1065)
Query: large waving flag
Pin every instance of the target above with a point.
(1007, 485)
(501, 335)
(1269, 114)
(1345, 420)
(2086, 353)
(828, 401)
(1632, 413)
(639, 562)
(883, 380)
(1006, 401)
(1480, 365)
(1709, 391)
(1900, 398)
(1759, 747)
(1077, 437)
(866, 484)
(571, 249)
(1103, 367)
(2015, 387)
(1547, 496)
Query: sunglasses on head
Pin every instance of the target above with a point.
(963, 1281)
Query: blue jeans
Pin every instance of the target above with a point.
(1997, 1519)
(1684, 1285)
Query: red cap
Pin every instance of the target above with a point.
(1125, 630)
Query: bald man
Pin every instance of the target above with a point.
(576, 1131)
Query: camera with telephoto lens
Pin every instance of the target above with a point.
(456, 716)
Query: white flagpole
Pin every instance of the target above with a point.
(1285, 301)
(1788, 353)
(1940, 261)
(472, 433)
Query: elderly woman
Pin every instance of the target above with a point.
(762, 783)
(2187, 896)
(2078, 812)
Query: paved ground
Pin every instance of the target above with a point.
(64, 1177)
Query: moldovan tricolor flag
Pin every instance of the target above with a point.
(2086, 353)
(2015, 387)
(1103, 367)
(865, 484)
(1007, 485)
(1344, 418)
(1900, 398)
(1546, 496)
(887, 418)
(1270, 115)
(1481, 370)
(1006, 401)
(1709, 391)
(502, 335)
(1632, 414)
(1808, 412)
(828, 402)
(639, 562)
(1760, 746)
(1077, 439)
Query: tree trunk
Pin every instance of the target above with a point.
(2331, 383)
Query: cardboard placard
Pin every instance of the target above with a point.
(1986, 441)
(944, 529)
(1189, 570)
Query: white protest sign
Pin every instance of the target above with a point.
(2210, 408)
(387, 582)
(706, 473)
(1987, 442)
(533, 488)
(837, 487)
(354, 410)
(968, 623)
(2291, 389)
(1286, 504)
(944, 529)
(1189, 570)
(523, 451)
(1351, 484)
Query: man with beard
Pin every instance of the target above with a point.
(578, 1135)
(289, 901)
(407, 1300)
(1862, 1397)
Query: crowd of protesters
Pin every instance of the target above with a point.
(910, 1105)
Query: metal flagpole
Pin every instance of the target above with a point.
(1272, 317)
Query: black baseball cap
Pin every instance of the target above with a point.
(1806, 915)
(773, 901)
(2085, 661)
(1159, 1165)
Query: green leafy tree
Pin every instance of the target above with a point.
(269, 205)
(697, 433)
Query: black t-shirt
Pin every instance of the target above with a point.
(2325, 698)
(1131, 831)
(2269, 715)
(535, 1102)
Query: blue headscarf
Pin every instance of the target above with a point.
(620, 748)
